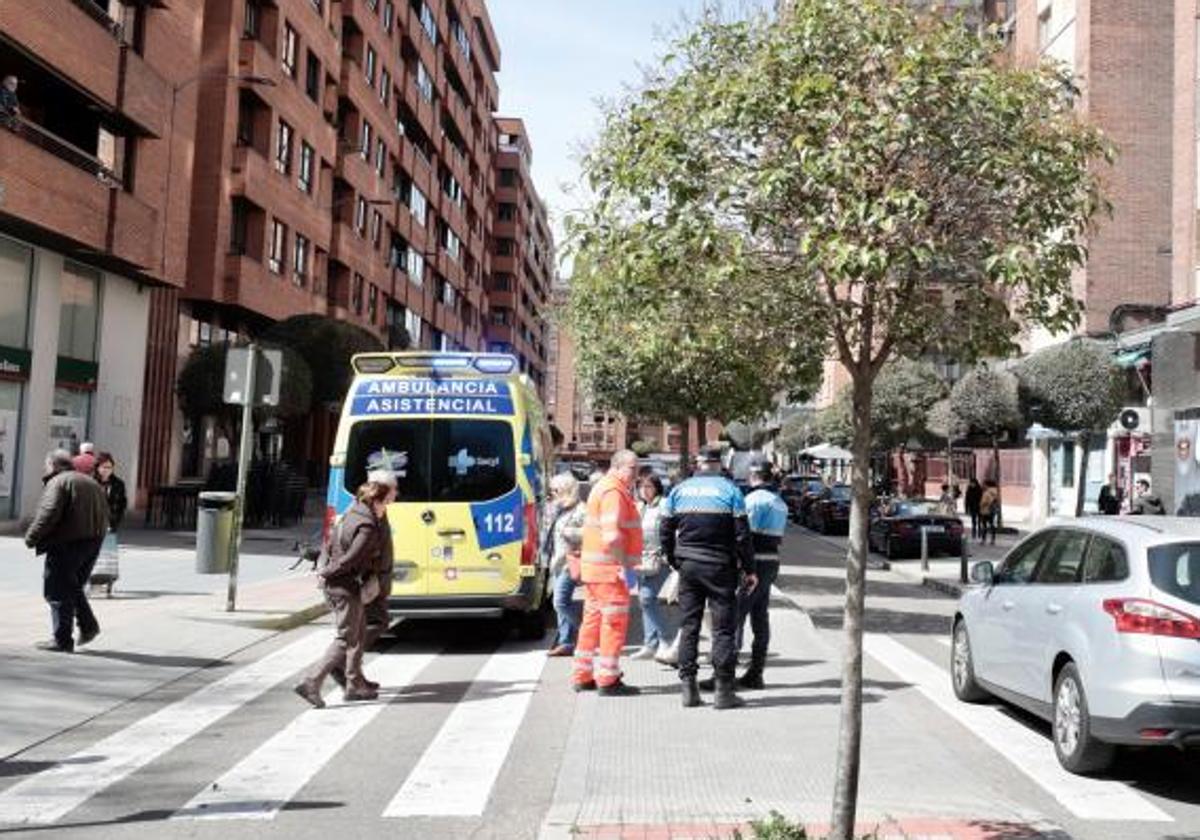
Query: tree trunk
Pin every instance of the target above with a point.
(950, 465)
(1085, 441)
(685, 446)
(845, 793)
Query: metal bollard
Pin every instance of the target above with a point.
(924, 549)
(964, 562)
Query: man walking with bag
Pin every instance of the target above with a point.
(69, 526)
(706, 537)
(612, 544)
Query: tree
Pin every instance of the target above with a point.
(868, 176)
(740, 435)
(326, 345)
(986, 403)
(1076, 388)
(643, 447)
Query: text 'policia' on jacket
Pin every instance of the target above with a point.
(704, 519)
(768, 515)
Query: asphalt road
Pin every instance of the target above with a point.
(479, 736)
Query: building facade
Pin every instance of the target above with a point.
(92, 197)
(522, 257)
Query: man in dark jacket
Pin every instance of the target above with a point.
(68, 528)
(706, 537)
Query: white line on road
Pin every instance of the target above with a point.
(454, 777)
(53, 793)
(260, 785)
(1029, 752)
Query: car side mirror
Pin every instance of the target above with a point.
(983, 573)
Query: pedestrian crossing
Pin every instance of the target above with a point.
(454, 777)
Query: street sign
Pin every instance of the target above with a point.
(267, 375)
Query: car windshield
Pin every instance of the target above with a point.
(840, 493)
(911, 509)
(435, 460)
(1175, 569)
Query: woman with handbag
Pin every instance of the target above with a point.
(653, 571)
(564, 539)
(350, 579)
(107, 568)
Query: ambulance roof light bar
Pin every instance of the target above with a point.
(435, 363)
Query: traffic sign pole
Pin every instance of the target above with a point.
(243, 469)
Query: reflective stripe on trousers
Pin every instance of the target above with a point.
(602, 634)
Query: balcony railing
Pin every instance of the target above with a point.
(33, 133)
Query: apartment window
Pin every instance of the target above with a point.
(425, 15)
(397, 252)
(507, 211)
(376, 227)
(370, 66)
(373, 5)
(389, 16)
(252, 21)
(416, 267)
(356, 294)
(505, 247)
(413, 325)
(277, 256)
(380, 158)
(373, 303)
(418, 205)
(424, 82)
(300, 260)
(459, 34)
(360, 216)
(365, 147)
(452, 188)
(448, 240)
(305, 178)
(245, 123)
(502, 282)
(385, 87)
(283, 149)
(508, 177)
(287, 56)
(238, 227)
(312, 77)
(316, 4)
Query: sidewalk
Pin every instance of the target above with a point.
(944, 573)
(163, 621)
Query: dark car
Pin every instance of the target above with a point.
(896, 529)
(829, 512)
(798, 491)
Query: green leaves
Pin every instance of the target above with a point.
(1073, 387)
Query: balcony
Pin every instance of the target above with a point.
(71, 200)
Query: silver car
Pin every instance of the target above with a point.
(1094, 625)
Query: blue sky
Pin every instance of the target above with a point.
(558, 57)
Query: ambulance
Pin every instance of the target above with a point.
(470, 446)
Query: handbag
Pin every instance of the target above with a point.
(108, 562)
(669, 593)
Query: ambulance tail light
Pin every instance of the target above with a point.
(530, 544)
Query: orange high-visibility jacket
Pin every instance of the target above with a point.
(612, 533)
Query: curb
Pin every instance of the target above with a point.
(946, 587)
(292, 620)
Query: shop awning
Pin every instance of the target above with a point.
(827, 452)
(1130, 357)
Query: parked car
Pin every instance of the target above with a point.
(799, 491)
(895, 529)
(829, 512)
(1092, 625)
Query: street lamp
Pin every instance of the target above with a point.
(176, 89)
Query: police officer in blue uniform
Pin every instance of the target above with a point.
(768, 515)
(706, 537)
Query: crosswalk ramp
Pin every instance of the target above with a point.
(454, 776)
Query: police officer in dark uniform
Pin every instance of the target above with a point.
(706, 537)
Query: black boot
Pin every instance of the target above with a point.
(708, 684)
(691, 693)
(752, 680)
(726, 696)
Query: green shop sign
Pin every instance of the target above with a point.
(76, 372)
(14, 362)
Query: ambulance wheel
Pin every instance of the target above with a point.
(531, 625)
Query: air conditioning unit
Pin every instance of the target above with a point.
(1131, 419)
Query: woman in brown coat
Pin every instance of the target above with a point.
(357, 550)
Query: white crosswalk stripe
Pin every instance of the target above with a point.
(266, 780)
(52, 794)
(455, 775)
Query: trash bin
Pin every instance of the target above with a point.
(214, 532)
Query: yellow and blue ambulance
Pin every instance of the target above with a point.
(468, 441)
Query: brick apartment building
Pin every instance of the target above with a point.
(91, 216)
(522, 259)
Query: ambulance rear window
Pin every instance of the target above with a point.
(435, 460)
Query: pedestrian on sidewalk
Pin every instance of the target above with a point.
(971, 501)
(612, 545)
(376, 615)
(948, 502)
(706, 537)
(69, 526)
(1146, 502)
(653, 571)
(1109, 501)
(989, 511)
(767, 514)
(564, 538)
(358, 547)
(85, 461)
(114, 489)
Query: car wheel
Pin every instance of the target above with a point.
(1077, 750)
(962, 667)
